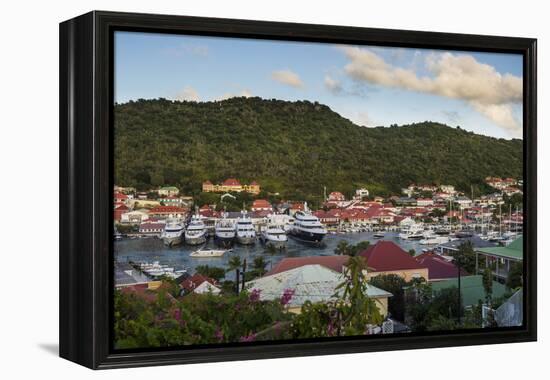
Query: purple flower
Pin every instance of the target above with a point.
(248, 338)
(254, 296)
(287, 296)
(330, 329)
(219, 334)
(177, 315)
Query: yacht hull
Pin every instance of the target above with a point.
(224, 241)
(195, 240)
(172, 241)
(307, 237)
(246, 240)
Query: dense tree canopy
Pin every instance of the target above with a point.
(295, 148)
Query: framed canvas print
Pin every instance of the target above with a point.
(235, 190)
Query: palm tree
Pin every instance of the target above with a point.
(343, 248)
(234, 264)
(259, 265)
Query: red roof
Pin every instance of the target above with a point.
(122, 207)
(261, 213)
(254, 183)
(438, 267)
(231, 182)
(207, 182)
(167, 209)
(332, 262)
(120, 196)
(297, 206)
(261, 203)
(195, 281)
(336, 195)
(142, 291)
(151, 226)
(388, 256)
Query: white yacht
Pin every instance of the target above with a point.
(224, 232)
(246, 234)
(274, 236)
(208, 253)
(172, 233)
(412, 232)
(284, 220)
(434, 239)
(195, 233)
(307, 227)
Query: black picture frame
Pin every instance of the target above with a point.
(86, 154)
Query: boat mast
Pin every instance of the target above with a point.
(500, 219)
(510, 219)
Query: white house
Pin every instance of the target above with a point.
(447, 189)
(361, 193)
(464, 202)
(134, 217)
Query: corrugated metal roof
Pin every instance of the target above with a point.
(513, 251)
(315, 283)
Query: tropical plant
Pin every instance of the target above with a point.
(351, 313)
(465, 257)
(515, 276)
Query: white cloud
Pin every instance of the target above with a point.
(454, 76)
(333, 85)
(188, 94)
(287, 77)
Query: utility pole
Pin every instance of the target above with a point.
(243, 273)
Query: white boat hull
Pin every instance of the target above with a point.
(246, 240)
(171, 241)
(195, 240)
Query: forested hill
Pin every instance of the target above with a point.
(295, 148)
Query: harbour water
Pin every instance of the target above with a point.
(153, 249)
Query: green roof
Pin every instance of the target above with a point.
(169, 188)
(471, 288)
(513, 251)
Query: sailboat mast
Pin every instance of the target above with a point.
(500, 219)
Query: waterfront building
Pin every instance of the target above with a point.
(134, 217)
(168, 211)
(261, 205)
(151, 228)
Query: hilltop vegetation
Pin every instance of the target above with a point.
(295, 148)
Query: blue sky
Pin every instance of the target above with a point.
(371, 86)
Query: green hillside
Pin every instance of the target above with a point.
(295, 148)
